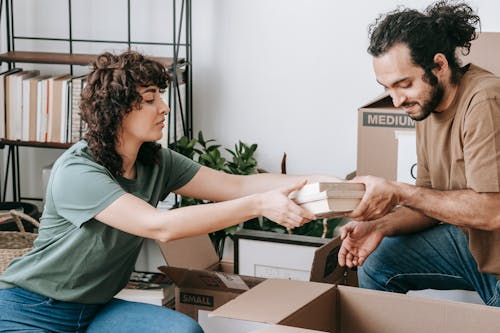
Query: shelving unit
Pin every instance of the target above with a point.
(181, 23)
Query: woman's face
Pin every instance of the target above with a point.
(146, 121)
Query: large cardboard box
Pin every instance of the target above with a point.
(343, 309)
(202, 281)
(379, 120)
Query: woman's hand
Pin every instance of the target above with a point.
(278, 207)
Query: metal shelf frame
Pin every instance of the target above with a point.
(181, 22)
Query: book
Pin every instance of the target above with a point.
(3, 96)
(78, 127)
(322, 190)
(329, 199)
(148, 287)
(56, 114)
(331, 207)
(14, 105)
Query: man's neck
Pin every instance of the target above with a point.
(450, 91)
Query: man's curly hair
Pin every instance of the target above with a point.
(110, 94)
(442, 27)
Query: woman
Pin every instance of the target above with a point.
(100, 205)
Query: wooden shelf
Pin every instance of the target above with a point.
(4, 142)
(65, 58)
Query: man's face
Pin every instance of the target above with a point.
(405, 83)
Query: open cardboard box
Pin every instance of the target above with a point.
(342, 309)
(203, 282)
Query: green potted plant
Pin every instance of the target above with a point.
(242, 162)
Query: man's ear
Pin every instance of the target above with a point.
(441, 65)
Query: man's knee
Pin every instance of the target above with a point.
(377, 266)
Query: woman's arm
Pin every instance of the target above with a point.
(133, 215)
(218, 186)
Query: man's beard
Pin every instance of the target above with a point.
(430, 105)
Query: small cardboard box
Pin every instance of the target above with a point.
(202, 281)
(379, 120)
(342, 309)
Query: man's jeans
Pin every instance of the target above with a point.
(24, 311)
(437, 258)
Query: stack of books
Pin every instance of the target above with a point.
(149, 287)
(329, 199)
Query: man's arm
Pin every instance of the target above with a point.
(465, 208)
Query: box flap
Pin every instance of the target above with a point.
(192, 252)
(370, 311)
(212, 280)
(273, 300)
(381, 101)
(325, 267)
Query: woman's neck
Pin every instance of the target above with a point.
(128, 152)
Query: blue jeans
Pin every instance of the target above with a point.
(24, 311)
(436, 258)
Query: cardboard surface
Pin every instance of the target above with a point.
(193, 252)
(484, 52)
(377, 145)
(288, 302)
(352, 310)
(372, 311)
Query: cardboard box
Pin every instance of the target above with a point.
(202, 281)
(379, 120)
(345, 309)
(297, 257)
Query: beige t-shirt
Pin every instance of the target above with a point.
(459, 148)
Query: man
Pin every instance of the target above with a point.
(443, 233)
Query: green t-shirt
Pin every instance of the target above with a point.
(76, 258)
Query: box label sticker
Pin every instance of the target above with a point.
(232, 281)
(196, 299)
(375, 119)
(280, 273)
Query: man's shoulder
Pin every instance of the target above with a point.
(481, 84)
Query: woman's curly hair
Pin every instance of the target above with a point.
(110, 94)
(442, 27)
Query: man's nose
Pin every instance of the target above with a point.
(397, 99)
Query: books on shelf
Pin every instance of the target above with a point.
(148, 287)
(329, 199)
(41, 108)
(14, 104)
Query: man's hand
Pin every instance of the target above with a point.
(381, 196)
(359, 240)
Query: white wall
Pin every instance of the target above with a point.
(290, 75)
(286, 74)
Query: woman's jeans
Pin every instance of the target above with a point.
(436, 258)
(24, 311)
